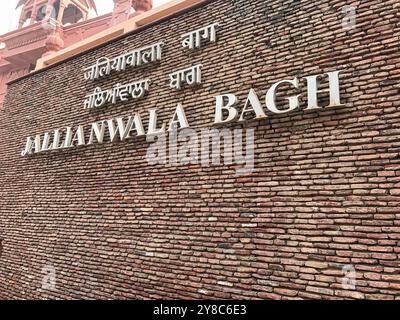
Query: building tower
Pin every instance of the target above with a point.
(125, 9)
(53, 15)
(63, 11)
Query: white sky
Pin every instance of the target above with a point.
(9, 16)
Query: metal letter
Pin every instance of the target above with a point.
(271, 95)
(220, 106)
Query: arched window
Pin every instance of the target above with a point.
(28, 15)
(41, 13)
(55, 9)
(27, 18)
(72, 14)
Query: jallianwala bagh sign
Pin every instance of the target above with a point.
(227, 108)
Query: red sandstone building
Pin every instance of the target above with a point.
(47, 26)
(84, 213)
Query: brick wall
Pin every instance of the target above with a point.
(325, 192)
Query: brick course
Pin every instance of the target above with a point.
(325, 192)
